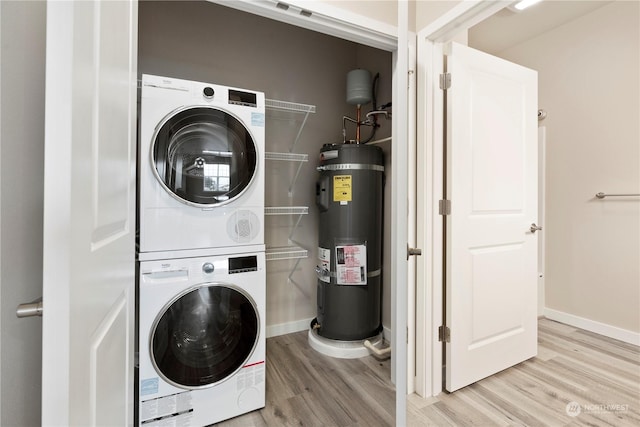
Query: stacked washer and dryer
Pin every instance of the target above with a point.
(202, 279)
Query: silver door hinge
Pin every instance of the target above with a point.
(444, 334)
(444, 207)
(445, 81)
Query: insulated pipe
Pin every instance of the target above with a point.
(344, 127)
(379, 352)
(358, 124)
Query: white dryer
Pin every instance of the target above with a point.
(201, 166)
(201, 339)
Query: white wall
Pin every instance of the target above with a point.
(220, 45)
(22, 57)
(381, 10)
(589, 86)
(427, 11)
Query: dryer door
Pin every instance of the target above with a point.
(204, 335)
(203, 156)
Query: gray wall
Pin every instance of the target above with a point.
(208, 42)
(22, 59)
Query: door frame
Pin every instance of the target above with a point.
(327, 19)
(430, 179)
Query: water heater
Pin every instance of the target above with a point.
(349, 196)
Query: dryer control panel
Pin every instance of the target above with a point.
(240, 97)
(243, 264)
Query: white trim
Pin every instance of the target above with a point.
(430, 231)
(460, 18)
(288, 327)
(324, 19)
(542, 166)
(610, 331)
(56, 337)
(399, 195)
(430, 297)
(412, 219)
(1, 290)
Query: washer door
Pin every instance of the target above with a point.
(203, 156)
(204, 336)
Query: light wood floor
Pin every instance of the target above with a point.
(601, 375)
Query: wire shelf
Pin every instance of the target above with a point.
(286, 210)
(288, 157)
(274, 104)
(285, 252)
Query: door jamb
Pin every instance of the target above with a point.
(430, 235)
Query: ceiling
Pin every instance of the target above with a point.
(510, 27)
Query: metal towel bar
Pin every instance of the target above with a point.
(603, 195)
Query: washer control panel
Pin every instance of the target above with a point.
(243, 264)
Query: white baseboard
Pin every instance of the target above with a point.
(288, 328)
(593, 326)
(386, 334)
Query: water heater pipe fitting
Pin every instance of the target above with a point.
(382, 353)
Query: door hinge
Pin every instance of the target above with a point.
(444, 207)
(445, 81)
(444, 334)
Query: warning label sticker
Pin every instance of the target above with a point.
(351, 265)
(342, 188)
(324, 265)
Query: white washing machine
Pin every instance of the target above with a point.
(201, 166)
(201, 339)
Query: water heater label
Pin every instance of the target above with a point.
(351, 265)
(324, 264)
(342, 188)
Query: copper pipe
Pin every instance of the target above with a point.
(358, 124)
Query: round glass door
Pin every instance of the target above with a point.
(204, 336)
(204, 156)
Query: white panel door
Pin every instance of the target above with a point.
(89, 213)
(492, 183)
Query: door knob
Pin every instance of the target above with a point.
(413, 252)
(30, 309)
(535, 227)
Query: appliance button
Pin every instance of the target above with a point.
(208, 92)
(208, 267)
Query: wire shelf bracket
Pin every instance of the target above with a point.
(288, 210)
(306, 109)
(289, 157)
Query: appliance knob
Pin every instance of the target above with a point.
(208, 92)
(208, 267)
